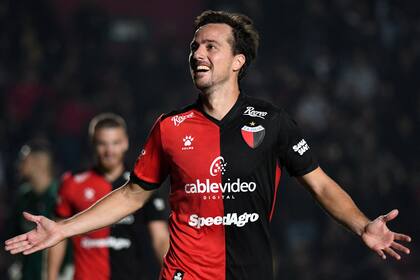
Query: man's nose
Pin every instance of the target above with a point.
(199, 53)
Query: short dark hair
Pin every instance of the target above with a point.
(105, 120)
(245, 36)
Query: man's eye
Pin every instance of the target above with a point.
(193, 47)
(210, 47)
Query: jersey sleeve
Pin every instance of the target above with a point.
(63, 207)
(294, 151)
(156, 209)
(151, 167)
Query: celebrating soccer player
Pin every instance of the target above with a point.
(224, 155)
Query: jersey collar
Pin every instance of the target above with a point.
(233, 112)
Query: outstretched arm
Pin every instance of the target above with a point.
(110, 209)
(375, 234)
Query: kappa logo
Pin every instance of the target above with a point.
(218, 166)
(250, 111)
(253, 135)
(178, 275)
(301, 147)
(178, 119)
(188, 141)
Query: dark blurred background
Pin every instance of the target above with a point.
(348, 71)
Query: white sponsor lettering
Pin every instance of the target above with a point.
(301, 147)
(230, 219)
(109, 242)
(213, 191)
(178, 119)
(250, 111)
(216, 188)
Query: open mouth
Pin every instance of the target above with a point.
(202, 68)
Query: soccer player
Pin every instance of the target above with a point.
(108, 253)
(224, 155)
(37, 195)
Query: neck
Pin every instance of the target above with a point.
(41, 182)
(113, 174)
(218, 102)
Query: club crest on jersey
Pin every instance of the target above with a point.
(253, 135)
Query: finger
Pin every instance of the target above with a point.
(400, 247)
(381, 254)
(392, 253)
(390, 216)
(34, 249)
(31, 217)
(402, 237)
(20, 249)
(16, 239)
(16, 245)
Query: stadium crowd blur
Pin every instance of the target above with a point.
(347, 71)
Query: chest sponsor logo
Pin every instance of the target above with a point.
(250, 111)
(187, 143)
(210, 190)
(178, 275)
(178, 119)
(253, 135)
(301, 147)
(218, 166)
(109, 242)
(227, 220)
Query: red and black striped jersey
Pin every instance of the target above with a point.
(107, 253)
(224, 178)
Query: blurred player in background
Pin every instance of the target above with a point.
(225, 155)
(37, 194)
(112, 252)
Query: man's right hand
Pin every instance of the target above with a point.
(46, 234)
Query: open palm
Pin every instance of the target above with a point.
(46, 234)
(380, 239)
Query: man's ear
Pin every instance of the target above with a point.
(238, 62)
